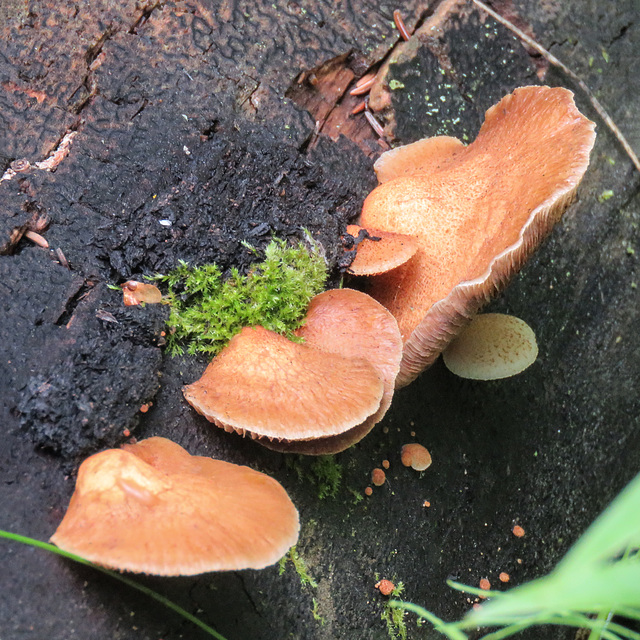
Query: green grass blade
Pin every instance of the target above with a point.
(130, 583)
(604, 629)
(633, 613)
(475, 591)
(604, 617)
(615, 530)
(509, 630)
(449, 630)
(604, 587)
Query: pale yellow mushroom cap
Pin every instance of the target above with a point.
(492, 346)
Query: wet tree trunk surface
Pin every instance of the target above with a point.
(151, 132)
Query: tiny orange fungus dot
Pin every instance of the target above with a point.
(378, 477)
(385, 587)
(518, 531)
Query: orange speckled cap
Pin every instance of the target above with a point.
(353, 325)
(270, 387)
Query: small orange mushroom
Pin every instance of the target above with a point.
(269, 387)
(378, 477)
(153, 508)
(380, 251)
(135, 292)
(416, 456)
(385, 587)
(478, 212)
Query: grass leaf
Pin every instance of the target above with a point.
(15, 537)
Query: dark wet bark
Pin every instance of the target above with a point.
(197, 114)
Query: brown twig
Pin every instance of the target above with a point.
(372, 120)
(62, 258)
(557, 63)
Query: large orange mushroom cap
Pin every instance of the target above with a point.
(266, 385)
(153, 508)
(353, 325)
(478, 212)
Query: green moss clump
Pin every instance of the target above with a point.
(300, 567)
(327, 474)
(317, 616)
(207, 311)
(394, 617)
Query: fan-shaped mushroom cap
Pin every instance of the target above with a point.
(353, 325)
(268, 386)
(479, 212)
(387, 251)
(492, 346)
(153, 508)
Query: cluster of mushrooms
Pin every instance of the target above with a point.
(445, 230)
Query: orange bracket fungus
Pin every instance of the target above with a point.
(379, 251)
(318, 397)
(492, 346)
(416, 456)
(478, 212)
(153, 508)
(134, 292)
